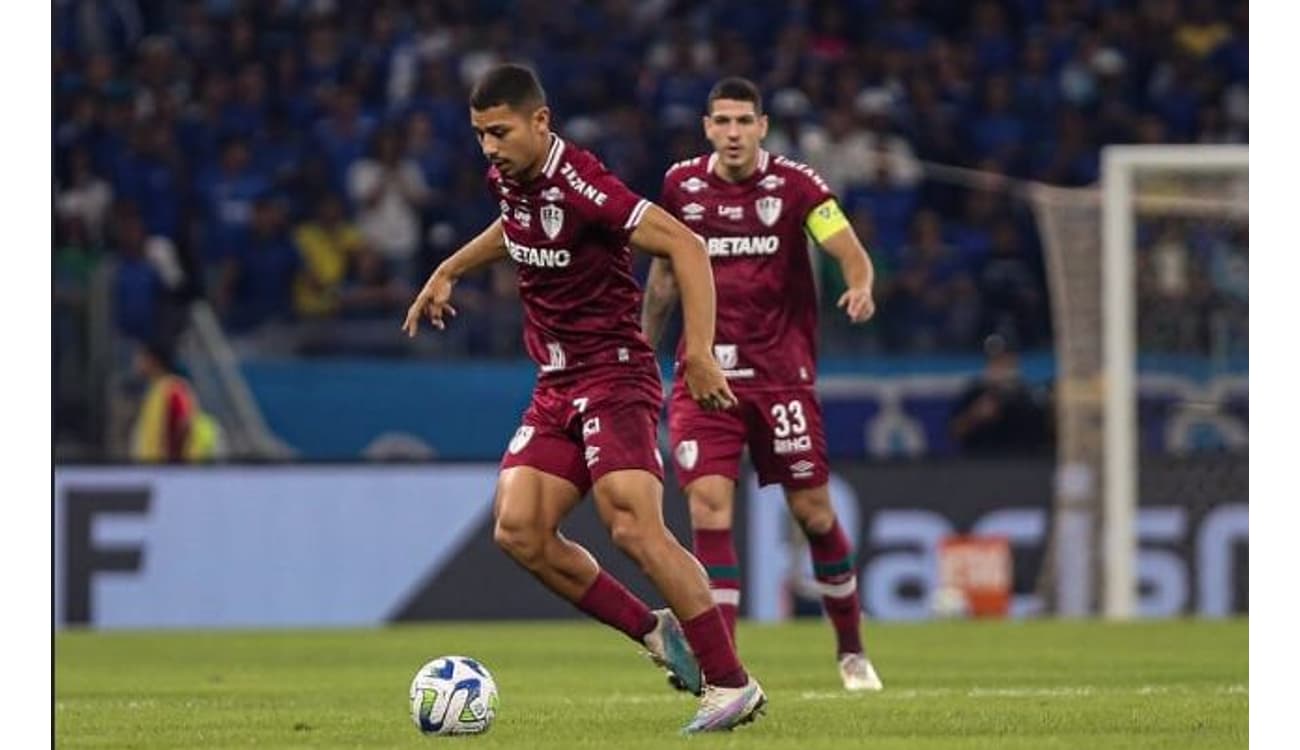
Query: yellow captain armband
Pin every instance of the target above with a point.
(825, 220)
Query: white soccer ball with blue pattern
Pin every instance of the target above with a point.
(453, 695)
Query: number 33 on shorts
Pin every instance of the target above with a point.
(789, 419)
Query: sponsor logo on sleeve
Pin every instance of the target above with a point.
(802, 469)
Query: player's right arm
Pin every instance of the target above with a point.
(434, 299)
(660, 297)
(659, 234)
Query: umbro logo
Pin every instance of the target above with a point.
(802, 469)
(692, 212)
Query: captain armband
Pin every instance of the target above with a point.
(825, 220)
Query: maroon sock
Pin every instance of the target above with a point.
(833, 566)
(707, 634)
(610, 602)
(717, 553)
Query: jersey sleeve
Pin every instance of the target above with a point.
(668, 198)
(813, 191)
(613, 206)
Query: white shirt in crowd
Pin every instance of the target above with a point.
(391, 224)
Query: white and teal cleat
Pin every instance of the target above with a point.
(669, 649)
(858, 674)
(723, 709)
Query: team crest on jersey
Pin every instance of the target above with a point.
(769, 209)
(521, 438)
(552, 194)
(726, 355)
(771, 182)
(692, 212)
(687, 453)
(552, 219)
(693, 185)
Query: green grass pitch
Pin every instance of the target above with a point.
(1043, 684)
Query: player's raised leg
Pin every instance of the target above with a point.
(630, 502)
(711, 499)
(832, 557)
(530, 504)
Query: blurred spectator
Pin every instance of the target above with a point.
(343, 136)
(1011, 290)
(389, 192)
(931, 303)
(84, 197)
(328, 246)
(170, 427)
(998, 413)
(226, 194)
(138, 288)
(371, 290)
(257, 279)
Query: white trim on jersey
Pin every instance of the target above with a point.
(638, 213)
(760, 164)
(553, 156)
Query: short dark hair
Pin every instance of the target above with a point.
(515, 86)
(738, 89)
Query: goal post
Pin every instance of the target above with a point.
(1121, 201)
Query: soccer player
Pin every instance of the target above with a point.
(753, 209)
(567, 223)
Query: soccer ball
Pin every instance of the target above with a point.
(453, 695)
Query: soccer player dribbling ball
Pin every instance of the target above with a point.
(753, 209)
(567, 223)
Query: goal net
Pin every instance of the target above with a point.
(1148, 286)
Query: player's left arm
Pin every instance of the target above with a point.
(659, 234)
(831, 229)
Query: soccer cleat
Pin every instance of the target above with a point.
(668, 649)
(723, 709)
(857, 673)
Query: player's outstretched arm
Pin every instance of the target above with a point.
(434, 299)
(660, 297)
(833, 232)
(661, 235)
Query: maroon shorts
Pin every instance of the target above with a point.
(783, 429)
(583, 430)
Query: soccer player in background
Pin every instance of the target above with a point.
(753, 209)
(567, 223)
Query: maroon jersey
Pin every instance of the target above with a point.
(767, 302)
(567, 230)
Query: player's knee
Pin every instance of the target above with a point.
(631, 535)
(812, 509)
(524, 543)
(710, 508)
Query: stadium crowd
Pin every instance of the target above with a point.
(303, 163)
